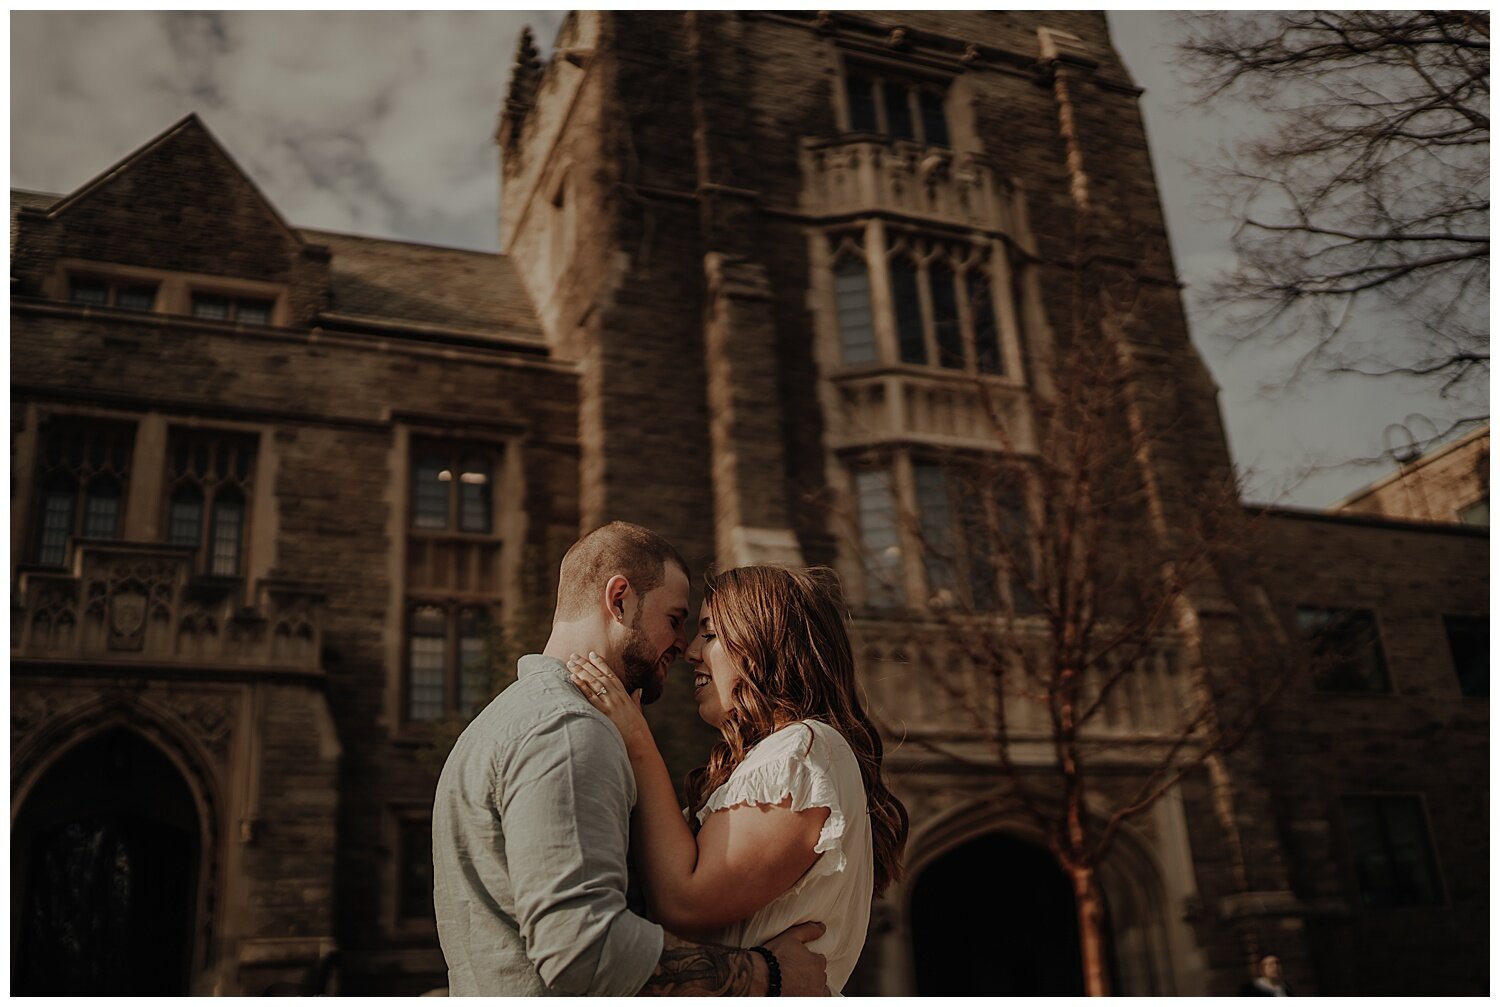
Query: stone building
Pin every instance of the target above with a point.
(1448, 483)
(277, 493)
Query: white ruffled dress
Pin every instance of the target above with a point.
(813, 763)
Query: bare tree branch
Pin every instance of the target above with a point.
(1370, 186)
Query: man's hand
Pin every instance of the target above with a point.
(803, 972)
(688, 969)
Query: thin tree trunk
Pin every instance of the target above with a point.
(1090, 931)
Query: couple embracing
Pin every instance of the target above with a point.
(556, 792)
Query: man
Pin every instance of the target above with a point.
(1268, 981)
(531, 823)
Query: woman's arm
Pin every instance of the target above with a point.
(742, 858)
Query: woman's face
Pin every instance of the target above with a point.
(714, 675)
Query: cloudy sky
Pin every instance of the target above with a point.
(382, 124)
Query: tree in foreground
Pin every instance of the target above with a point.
(1363, 206)
(1073, 587)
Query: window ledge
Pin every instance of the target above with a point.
(855, 136)
(948, 375)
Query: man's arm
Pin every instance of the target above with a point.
(712, 970)
(564, 801)
(566, 807)
(706, 970)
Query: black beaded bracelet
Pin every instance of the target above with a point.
(773, 986)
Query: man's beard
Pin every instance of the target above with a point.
(640, 663)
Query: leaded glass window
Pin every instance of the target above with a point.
(1344, 648)
(851, 286)
(452, 578)
(209, 481)
(1469, 646)
(895, 105)
(414, 891)
(428, 664)
(948, 335)
(86, 291)
(910, 332)
(880, 539)
(987, 351)
(83, 472)
(229, 522)
(1391, 851)
(211, 307)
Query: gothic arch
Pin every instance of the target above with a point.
(54, 741)
(1131, 879)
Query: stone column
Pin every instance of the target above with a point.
(752, 522)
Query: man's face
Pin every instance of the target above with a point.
(1271, 968)
(655, 638)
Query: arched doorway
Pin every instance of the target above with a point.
(104, 867)
(995, 916)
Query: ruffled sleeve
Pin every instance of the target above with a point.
(796, 761)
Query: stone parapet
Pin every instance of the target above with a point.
(142, 603)
(858, 176)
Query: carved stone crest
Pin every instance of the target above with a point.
(127, 620)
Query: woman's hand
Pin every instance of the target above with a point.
(603, 689)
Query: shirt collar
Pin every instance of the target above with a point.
(538, 664)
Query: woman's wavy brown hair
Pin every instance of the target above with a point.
(787, 630)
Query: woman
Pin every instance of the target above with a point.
(790, 820)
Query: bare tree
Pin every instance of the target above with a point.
(1071, 570)
(1368, 188)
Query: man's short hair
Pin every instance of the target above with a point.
(638, 554)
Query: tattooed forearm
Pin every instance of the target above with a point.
(704, 970)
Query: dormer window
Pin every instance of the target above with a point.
(252, 312)
(893, 105)
(247, 311)
(131, 288)
(136, 297)
(88, 292)
(103, 293)
(207, 306)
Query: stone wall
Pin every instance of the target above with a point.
(1422, 738)
(1439, 486)
(319, 866)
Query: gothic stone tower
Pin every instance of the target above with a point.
(746, 230)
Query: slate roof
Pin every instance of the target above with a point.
(453, 288)
(398, 282)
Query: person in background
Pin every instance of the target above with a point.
(1268, 981)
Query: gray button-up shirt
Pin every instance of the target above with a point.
(530, 831)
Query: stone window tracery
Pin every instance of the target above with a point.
(851, 290)
(209, 481)
(887, 102)
(942, 307)
(95, 291)
(245, 310)
(453, 555)
(879, 537)
(944, 310)
(965, 525)
(975, 543)
(82, 475)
